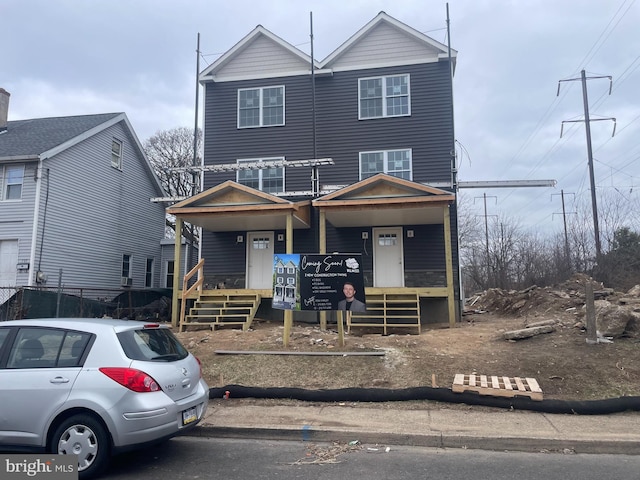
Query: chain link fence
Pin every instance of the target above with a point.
(53, 302)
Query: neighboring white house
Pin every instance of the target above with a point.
(75, 203)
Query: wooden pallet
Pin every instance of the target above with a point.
(497, 386)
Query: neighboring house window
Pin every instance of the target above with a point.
(116, 154)
(392, 162)
(169, 278)
(148, 276)
(266, 179)
(260, 107)
(126, 266)
(384, 97)
(13, 179)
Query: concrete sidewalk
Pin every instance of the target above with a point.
(475, 428)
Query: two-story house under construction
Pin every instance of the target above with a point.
(352, 154)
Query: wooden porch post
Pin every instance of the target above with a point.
(449, 262)
(288, 314)
(322, 234)
(176, 273)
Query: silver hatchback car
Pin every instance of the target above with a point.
(94, 387)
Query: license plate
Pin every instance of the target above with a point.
(189, 416)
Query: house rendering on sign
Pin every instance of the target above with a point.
(351, 154)
(75, 203)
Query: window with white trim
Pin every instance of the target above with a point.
(380, 97)
(168, 280)
(391, 162)
(126, 265)
(13, 179)
(264, 178)
(260, 107)
(116, 154)
(148, 274)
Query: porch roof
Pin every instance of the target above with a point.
(231, 206)
(384, 200)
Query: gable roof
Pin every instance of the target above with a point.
(416, 46)
(258, 53)
(39, 137)
(231, 206)
(384, 41)
(384, 200)
(42, 138)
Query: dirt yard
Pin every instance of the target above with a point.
(563, 363)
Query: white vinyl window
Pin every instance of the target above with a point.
(380, 97)
(13, 179)
(261, 107)
(116, 154)
(262, 177)
(391, 162)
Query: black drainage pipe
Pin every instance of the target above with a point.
(586, 407)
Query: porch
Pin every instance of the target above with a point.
(388, 309)
(385, 207)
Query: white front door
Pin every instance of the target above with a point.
(388, 267)
(260, 260)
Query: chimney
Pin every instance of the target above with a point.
(4, 108)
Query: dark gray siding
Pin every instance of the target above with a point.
(224, 258)
(428, 131)
(339, 133)
(225, 143)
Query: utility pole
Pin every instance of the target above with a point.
(486, 231)
(587, 123)
(564, 220)
(194, 187)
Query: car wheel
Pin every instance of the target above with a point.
(84, 436)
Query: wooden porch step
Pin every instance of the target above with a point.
(218, 308)
(388, 310)
(498, 386)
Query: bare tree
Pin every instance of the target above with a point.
(616, 210)
(168, 151)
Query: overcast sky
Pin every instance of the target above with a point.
(72, 57)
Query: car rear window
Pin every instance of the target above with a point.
(152, 344)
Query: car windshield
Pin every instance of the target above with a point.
(152, 344)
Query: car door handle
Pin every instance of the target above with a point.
(59, 380)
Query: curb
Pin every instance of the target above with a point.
(435, 440)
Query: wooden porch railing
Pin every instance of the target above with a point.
(197, 285)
